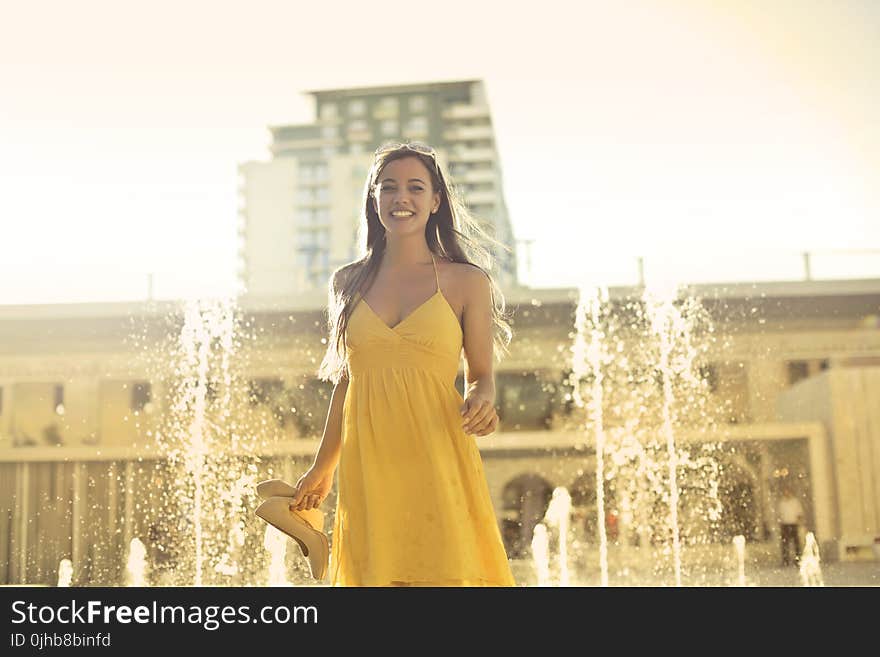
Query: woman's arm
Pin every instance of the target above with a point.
(327, 457)
(478, 412)
(314, 486)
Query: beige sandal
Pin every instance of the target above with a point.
(275, 488)
(306, 527)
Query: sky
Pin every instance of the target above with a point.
(717, 141)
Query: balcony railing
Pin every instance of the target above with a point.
(467, 132)
(476, 176)
(471, 155)
(465, 112)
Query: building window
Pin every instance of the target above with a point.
(358, 125)
(302, 259)
(387, 107)
(329, 111)
(357, 107)
(141, 394)
(309, 195)
(418, 104)
(312, 172)
(417, 126)
(797, 370)
(459, 169)
(525, 402)
(329, 132)
(277, 398)
(389, 128)
(312, 240)
(309, 398)
(801, 369)
(709, 374)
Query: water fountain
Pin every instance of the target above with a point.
(275, 544)
(810, 568)
(541, 554)
(65, 573)
(634, 374)
(739, 544)
(587, 363)
(634, 365)
(665, 323)
(557, 516)
(136, 564)
(209, 444)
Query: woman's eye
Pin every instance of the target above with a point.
(391, 190)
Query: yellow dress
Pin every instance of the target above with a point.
(413, 505)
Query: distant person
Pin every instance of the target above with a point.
(791, 516)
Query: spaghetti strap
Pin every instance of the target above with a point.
(436, 275)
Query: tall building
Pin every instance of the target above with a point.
(300, 210)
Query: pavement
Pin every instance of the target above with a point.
(712, 566)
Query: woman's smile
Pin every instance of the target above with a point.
(402, 216)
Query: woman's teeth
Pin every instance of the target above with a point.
(401, 214)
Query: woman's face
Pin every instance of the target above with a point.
(404, 197)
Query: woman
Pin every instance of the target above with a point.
(413, 505)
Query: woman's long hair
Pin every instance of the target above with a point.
(451, 233)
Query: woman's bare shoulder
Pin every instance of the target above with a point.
(469, 281)
(462, 270)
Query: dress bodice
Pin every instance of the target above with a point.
(429, 338)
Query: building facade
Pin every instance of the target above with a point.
(86, 390)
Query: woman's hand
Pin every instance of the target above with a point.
(478, 412)
(311, 489)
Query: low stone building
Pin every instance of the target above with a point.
(92, 395)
